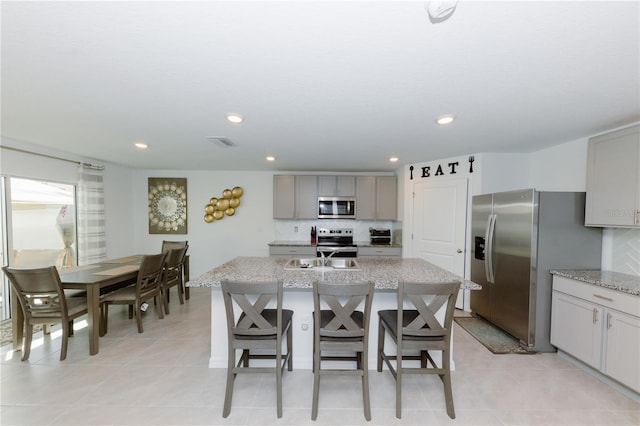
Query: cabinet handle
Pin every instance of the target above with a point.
(635, 217)
(595, 315)
(608, 299)
(609, 317)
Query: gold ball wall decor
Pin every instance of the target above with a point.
(217, 208)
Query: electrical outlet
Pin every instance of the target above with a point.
(295, 229)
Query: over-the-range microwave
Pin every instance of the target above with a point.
(336, 208)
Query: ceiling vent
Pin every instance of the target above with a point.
(222, 141)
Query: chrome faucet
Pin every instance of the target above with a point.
(325, 259)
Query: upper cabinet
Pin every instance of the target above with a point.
(376, 197)
(336, 186)
(613, 179)
(295, 197)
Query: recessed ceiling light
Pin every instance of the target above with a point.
(270, 158)
(141, 145)
(235, 118)
(445, 119)
(393, 159)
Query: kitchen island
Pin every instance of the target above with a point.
(384, 272)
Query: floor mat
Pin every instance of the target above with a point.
(494, 339)
(6, 333)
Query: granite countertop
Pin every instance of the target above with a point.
(384, 272)
(613, 280)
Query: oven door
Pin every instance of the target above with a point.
(338, 251)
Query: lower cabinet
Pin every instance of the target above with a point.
(371, 251)
(292, 251)
(599, 327)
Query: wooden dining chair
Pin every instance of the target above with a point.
(172, 245)
(173, 275)
(254, 327)
(43, 301)
(416, 331)
(340, 329)
(148, 285)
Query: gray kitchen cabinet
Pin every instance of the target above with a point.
(379, 251)
(336, 186)
(598, 326)
(295, 196)
(376, 197)
(292, 251)
(613, 179)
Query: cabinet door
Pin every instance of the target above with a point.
(365, 197)
(623, 348)
(284, 197)
(613, 179)
(386, 198)
(306, 197)
(576, 328)
(336, 186)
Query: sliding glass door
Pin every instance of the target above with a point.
(39, 221)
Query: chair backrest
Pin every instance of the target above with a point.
(172, 245)
(175, 257)
(39, 291)
(343, 299)
(251, 298)
(427, 299)
(151, 273)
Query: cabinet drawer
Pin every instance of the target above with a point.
(379, 251)
(623, 302)
(292, 251)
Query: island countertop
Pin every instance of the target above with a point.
(384, 272)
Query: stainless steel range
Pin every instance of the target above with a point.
(336, 242)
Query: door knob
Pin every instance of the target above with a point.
(459, 250)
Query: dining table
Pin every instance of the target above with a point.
(94, 279)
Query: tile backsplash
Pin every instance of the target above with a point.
(621, 247)
(285, 230)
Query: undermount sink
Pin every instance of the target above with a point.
(316, 264)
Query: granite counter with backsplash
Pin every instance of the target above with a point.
(612, 280)
(384, 272)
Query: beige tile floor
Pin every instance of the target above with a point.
(161, 377)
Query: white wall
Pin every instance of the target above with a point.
(247, 233)
(560, 168)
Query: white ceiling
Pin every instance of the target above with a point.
(335, 86)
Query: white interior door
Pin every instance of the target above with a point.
(439, 224)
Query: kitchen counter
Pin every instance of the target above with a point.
(384, 272)
(612, 280)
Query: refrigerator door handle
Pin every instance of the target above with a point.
(488, 263)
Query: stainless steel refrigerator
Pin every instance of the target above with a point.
(517, 238)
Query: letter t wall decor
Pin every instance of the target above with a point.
(167, 205)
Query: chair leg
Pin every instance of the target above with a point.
(27, 342)
(181, 292)
(104, 318)
(290, 348)
(65, 341)
(71, 328)
(228, 394)
(165, 299)
(279, 382)
(446, 379)
(399, 384)
(139, 318)
(316, 382)
(380, 344)
(159, 305)
(131, 311)
(365, 384)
